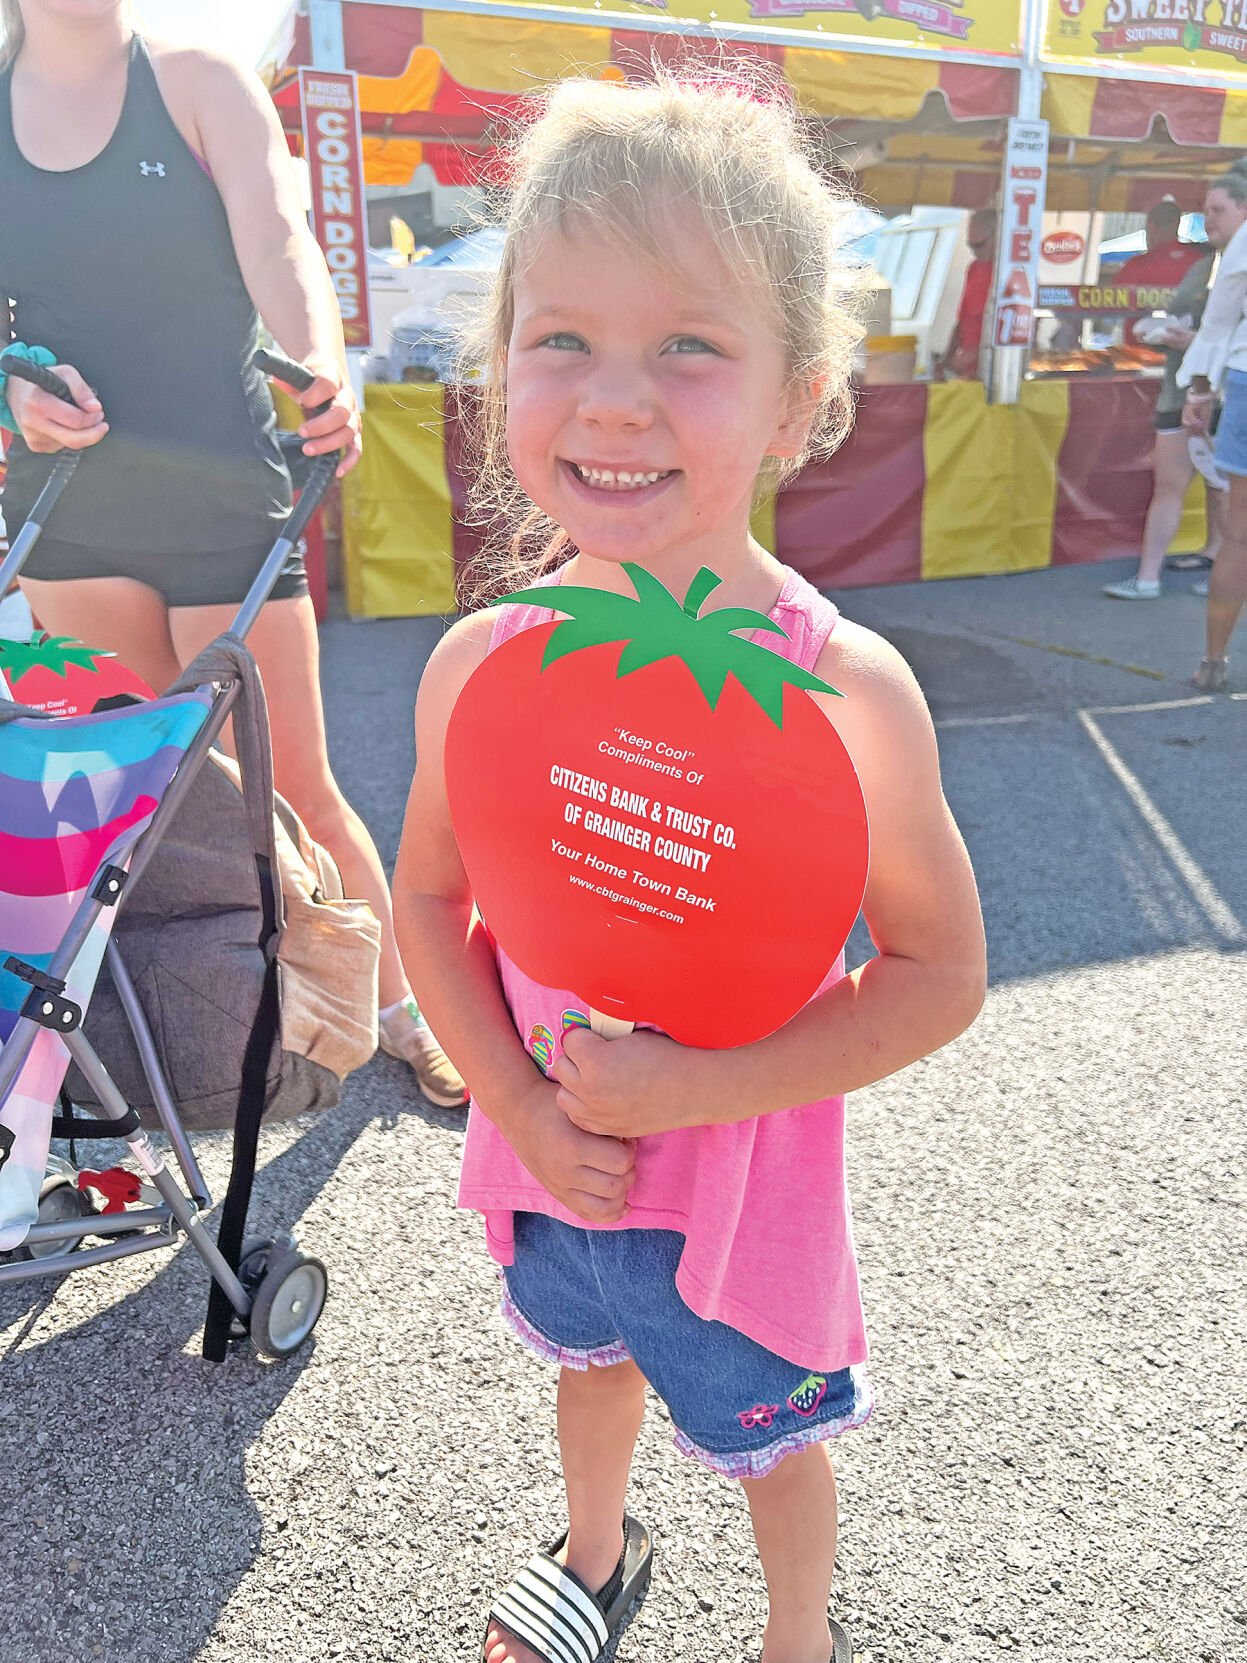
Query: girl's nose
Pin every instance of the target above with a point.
(616, 399)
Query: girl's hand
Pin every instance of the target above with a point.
(629, 1087)
(1197, 413)
(337, 428)
(591, 1175)
(1178, 337)
(47, 423)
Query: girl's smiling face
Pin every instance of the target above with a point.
(641, 401)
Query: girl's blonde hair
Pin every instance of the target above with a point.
(724, 144)
(12, 31)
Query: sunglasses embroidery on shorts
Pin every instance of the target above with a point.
(762, 1414)
(808, 1395)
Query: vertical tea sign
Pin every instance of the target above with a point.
(334, 152)
(1021, 231)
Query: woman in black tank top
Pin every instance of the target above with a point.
(150, 216)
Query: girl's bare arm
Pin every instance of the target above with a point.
(921, 903)
(455, 979)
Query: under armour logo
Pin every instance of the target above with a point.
(158, 168)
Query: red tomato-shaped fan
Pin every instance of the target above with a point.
(58, 674)
(655, 814)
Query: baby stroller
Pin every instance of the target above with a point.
(84, 801)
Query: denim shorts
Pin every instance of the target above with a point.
(1231, 446)
(577, 1297)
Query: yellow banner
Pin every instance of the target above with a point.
(1205, 35)
(988, 27)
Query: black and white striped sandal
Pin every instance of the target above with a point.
(549, 1608)
(841, 1645)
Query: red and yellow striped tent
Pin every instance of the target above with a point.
(436, 86)
(933, 482)
(970, 489)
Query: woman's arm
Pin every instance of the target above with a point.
(281, 263)
(922, 909)
(454, 976)
(1227, 302)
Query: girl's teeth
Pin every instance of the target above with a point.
(607, 479)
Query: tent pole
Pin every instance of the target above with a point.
(329, 52)
(1003, 368)
(328, 40)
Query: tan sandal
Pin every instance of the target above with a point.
(1212, 675)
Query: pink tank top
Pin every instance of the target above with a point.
(762, 1205)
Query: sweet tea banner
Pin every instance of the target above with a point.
(1208, 36)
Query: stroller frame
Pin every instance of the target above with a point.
(276, 1293)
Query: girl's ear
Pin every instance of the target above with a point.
(800, 413)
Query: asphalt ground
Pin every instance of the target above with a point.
(1050, 1218)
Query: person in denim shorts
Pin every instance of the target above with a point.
(1218, 356)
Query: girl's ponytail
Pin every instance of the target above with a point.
(12, 31)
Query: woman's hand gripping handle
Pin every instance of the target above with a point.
(332, 427)
(54, 408)
(313, 482)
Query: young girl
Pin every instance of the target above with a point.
(670, 324)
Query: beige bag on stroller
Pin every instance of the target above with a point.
(193, 933)
(328, 953)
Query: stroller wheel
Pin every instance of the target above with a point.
(288, 1301)
(59, 1201)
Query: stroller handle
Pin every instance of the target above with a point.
(275, 364)
(285, 369)
(62, 469)
(37, 374)
(289, 370)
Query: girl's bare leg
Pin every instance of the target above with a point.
(1217, 502)
(600, 1414)
(1227, 582)
(1172, 471)
(794, 1524)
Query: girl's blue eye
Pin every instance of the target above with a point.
(562, 341)
(690, 343)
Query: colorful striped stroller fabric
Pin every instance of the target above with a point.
(76, 794)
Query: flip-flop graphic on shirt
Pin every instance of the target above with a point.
(541, 1045)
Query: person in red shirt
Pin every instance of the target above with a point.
(1166, 261)
(961, 355)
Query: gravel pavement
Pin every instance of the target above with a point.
(1050, 1217)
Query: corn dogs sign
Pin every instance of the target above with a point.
(331, 144)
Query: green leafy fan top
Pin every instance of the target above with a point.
(655, 626)
(58, 653)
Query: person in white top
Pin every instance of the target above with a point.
(1217, 359)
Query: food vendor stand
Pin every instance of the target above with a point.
(914, 97)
